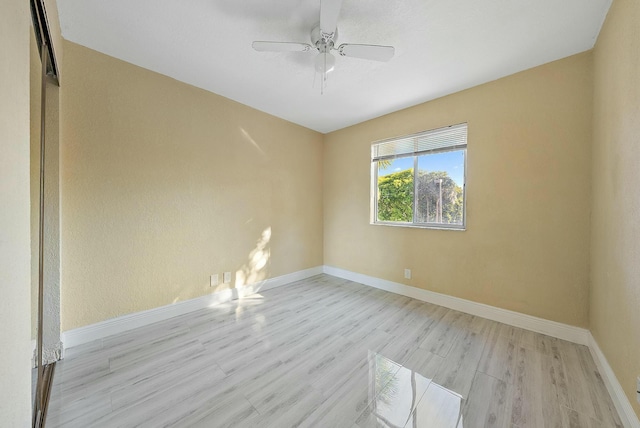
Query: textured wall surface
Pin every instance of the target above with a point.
(615, 244)
(164, 184)
(526, 247)
(15, 373)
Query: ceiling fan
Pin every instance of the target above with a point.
(323, 38)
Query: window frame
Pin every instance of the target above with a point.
(414, 224)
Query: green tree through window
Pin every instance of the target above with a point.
(440, 199)
(395, 196)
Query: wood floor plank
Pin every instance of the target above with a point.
(355, 356)
(137, 354)
(221, 410)
(424, 362)
(229, 412)
(189, 389)
(295, 404)
(499, 356)
(586, 392)
(535, 401)
(82, 412)
(174, 368)
(489, 403)
(458, 369)
(573, 419)
(441, 338)
(438, 407)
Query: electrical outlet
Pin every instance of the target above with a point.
(407, 273)
(214, 280)
(638, 389)
(226, 278)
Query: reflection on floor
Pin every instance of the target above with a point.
(328, 352)
(395, 392)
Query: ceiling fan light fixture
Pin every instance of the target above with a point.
(325, 62)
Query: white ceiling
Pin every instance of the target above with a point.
(442, 46)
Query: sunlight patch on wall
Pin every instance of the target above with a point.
(255, 270)
(250, 139)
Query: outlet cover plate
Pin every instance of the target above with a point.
(214, 280)
(407, 273)
(226, 278)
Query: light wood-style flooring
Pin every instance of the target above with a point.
(327, 352)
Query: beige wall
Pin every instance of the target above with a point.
(615, 244)
(526, 247)
(15, 373)
(163, 184)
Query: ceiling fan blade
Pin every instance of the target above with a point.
(373, 52)
(281, 47)
(329, 11)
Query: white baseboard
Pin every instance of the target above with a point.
(516, 319)
(623, 406)
(127, 322)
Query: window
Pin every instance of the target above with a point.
(419, 180)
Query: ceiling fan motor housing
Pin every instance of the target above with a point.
(322, 41)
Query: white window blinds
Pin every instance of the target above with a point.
(438, 140)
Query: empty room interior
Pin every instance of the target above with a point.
(320, 213)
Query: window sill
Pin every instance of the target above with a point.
(421, 226)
